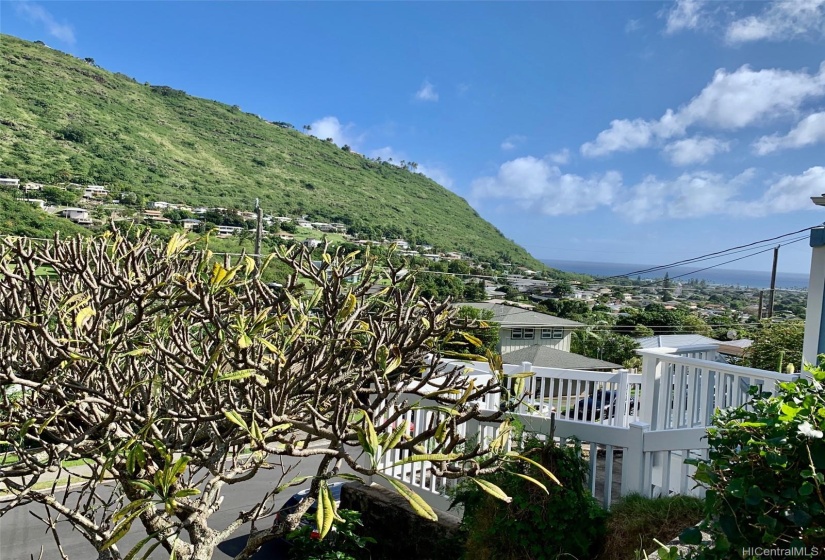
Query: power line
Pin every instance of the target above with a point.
(707, 255)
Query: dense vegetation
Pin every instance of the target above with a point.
(66, 120)
(23, 219)
(765, 474)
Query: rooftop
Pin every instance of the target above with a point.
(546, 356)
(510, 316)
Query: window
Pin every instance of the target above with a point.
(516, 334)
(558, 333)
(546, 333)
(529, 333)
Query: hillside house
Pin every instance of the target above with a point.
(36, 202)
(77, 215)
(312, 243)
(228, 231)
(155, 216)
(9, 182)
(190, 223)
(95, 191)
(158, 205)
(522, 328)
(29, 187)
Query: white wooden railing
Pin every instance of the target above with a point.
(651, 422)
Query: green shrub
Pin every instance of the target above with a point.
(344, 543)
(535, 525)
(766, 473)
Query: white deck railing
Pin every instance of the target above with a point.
(651, 422)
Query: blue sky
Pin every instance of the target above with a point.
(638, 132)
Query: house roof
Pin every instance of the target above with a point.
(547, 356)
(675, 341)
(735, 347)
(509, 316)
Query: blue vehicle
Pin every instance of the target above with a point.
(604, 403)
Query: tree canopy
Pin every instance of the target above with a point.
(176, 376)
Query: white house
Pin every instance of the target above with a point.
(521, 328)
(312, 243)
(9, 182)
(77, 215)
(158, 205)
(226, 231)
(95, 191)
(190, 223)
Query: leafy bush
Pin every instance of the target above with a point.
(75, 134)
(535, 525)
(345, 543)
(766, 473)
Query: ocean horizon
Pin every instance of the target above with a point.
(721, 276)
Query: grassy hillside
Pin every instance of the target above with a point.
(63, 119)
(23, 219)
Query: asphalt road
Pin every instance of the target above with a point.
(21, 535)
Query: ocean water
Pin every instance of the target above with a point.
(722, 276)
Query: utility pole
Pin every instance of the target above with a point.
(773, 281)
(759, 313)
(259, 233)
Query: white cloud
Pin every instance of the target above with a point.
(685, 14)
(780, 21)
(512, 142)
(535, 184)
(698, 149)
(632, 26)
(789, 193)
(809, 130)
(427, 92)
(562, 157)
(691, 195)
(331, 127)
(36, 13)
(730, 101)
(623, 136)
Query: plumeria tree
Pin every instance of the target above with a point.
(176, 375)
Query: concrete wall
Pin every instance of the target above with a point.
(401, 534)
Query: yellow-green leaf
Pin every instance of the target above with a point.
(539, 466)
(432, 457)
(235, 418)
(493, 490)
(82, 315)
(236, 375)
(372, 437)
(325, 498)
(395, 437)
(474, 340)
(502, 437)
(520, 375)
(534, 481)
(418, 504)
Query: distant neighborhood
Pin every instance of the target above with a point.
(567, 322)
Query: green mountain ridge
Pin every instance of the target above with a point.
(62, 119)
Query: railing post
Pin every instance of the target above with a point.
(651, 381)
(633, 461)
(621, 412)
